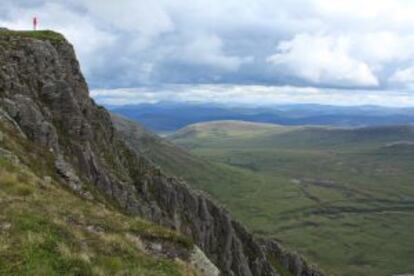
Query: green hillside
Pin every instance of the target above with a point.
(344, 197)
(46, 229)
(179, 162)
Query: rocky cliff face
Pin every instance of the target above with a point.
(43, 91)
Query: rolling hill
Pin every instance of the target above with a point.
(171, 116)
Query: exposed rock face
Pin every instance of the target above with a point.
(202, 263)
(290, 261)
(44, 92)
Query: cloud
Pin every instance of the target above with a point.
(376, 13)
(344, 60)
(322, 60)
(404, 77)
(348, 44)
(251, 95)
(208, 50)
(145, 21)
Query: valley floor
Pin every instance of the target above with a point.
(344, 200)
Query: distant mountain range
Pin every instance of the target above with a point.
(168, 116)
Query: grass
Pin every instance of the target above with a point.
(45, 229)
(341, 197)
(42, 35)
(45, 236)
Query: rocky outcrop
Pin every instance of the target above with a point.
(43, 91)
(290, 261)
(200, 261)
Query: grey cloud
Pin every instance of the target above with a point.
(131, 43)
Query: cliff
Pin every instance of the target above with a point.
(45, 97)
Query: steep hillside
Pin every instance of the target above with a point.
(343, 197)
(45, 229)
(44, 96)
(219, 180)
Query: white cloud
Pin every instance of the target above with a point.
(378, 48)
(252, 95)
(323, 60)
(208, 50)
(145, 17)
(354, 8)
(144, 20)
(357, 15)
(404, 77)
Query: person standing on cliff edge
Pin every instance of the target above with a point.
(34, 23)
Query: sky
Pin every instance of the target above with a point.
(346, 52)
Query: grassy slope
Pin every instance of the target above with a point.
(345, 198)
(47, 230)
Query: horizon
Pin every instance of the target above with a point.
(251, 96)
